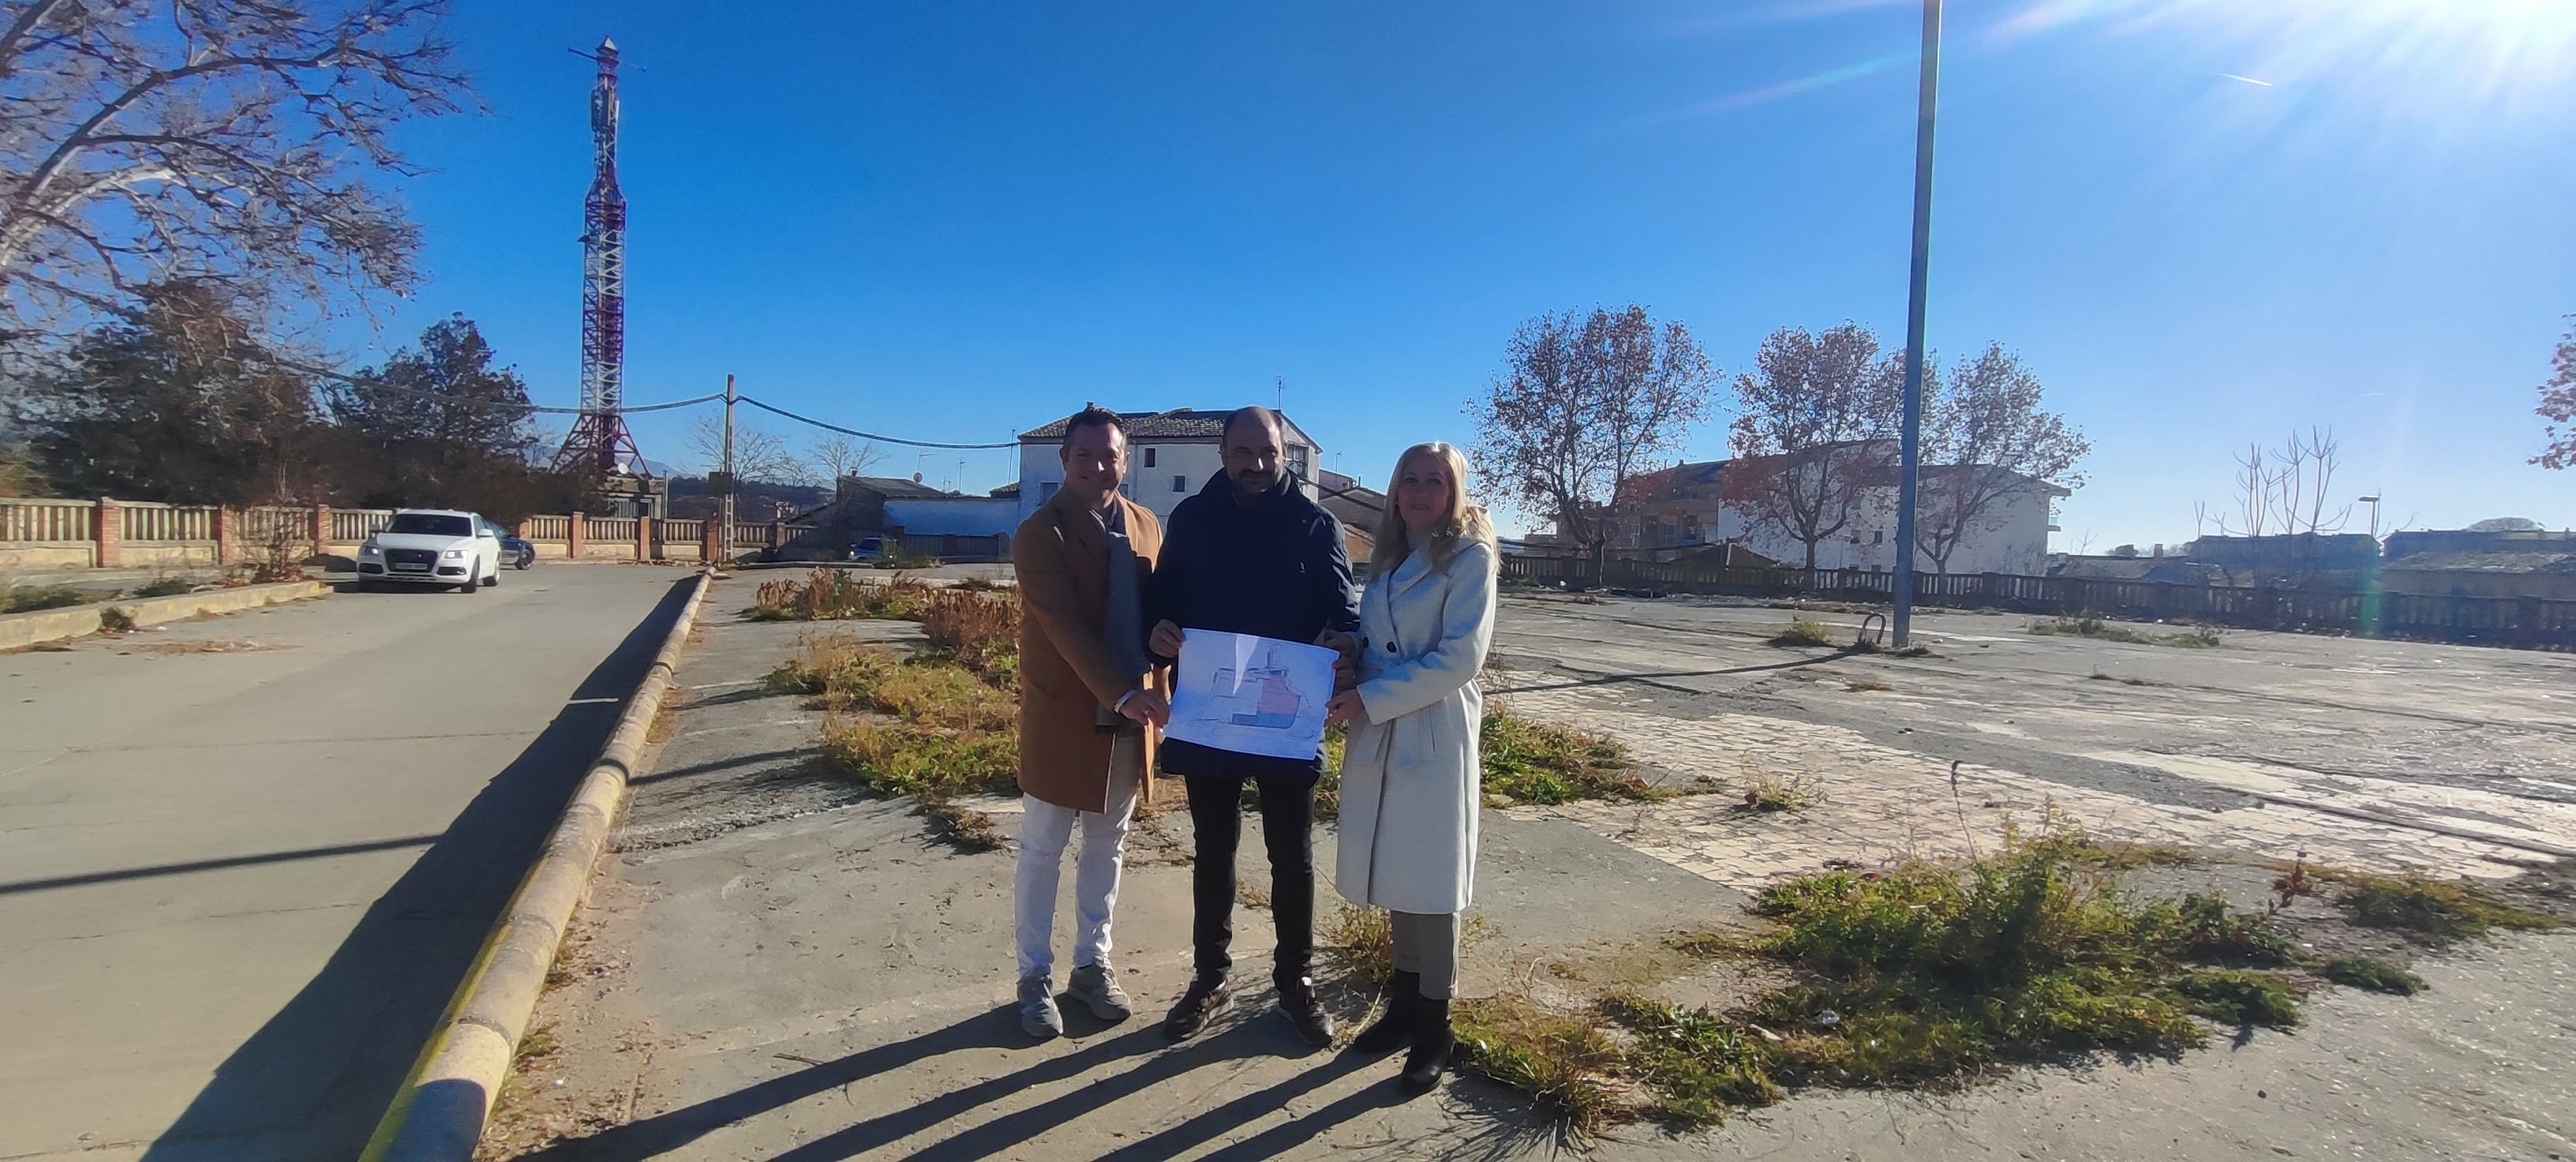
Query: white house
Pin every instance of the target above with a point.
(1170, 456)
(1687, 506)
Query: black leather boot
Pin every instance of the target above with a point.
(1432, 1041)
(1403, 991)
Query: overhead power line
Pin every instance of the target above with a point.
(862, 435)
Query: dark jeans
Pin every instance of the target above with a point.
(1288, 829)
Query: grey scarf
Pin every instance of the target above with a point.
(1125, 626)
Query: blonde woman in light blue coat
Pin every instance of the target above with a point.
(1411, 775)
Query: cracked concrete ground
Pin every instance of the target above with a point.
(773, 967)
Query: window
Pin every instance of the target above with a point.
(1180, 484)
(1046, 490)
(1149, 457)
(1879, 537)
(430, 524)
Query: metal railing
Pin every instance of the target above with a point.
(2521, 621)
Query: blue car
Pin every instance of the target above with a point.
(516, 551)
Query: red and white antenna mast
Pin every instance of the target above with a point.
(599, 444)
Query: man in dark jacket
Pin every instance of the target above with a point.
(1251, 553)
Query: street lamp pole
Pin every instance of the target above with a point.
(1910, 445)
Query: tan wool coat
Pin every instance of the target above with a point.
(1066, 673)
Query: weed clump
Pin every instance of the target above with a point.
(1535, 762)
(1562, 1060)
(2201, 638)
(114, 620)
(1804, 631)
(36, 597)
(837, 595)
(1767, 790)
(164, 587)
(1697, 1064)
(2430, 911)
(2370, 972)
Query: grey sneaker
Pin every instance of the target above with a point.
(1037, 1008)
(1094, 985)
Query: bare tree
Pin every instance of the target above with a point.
(1588, 403)
(229, 139)
(758, 454)
(1811, 433)
(2255, 481)
(1985, 444)
(2558, 406)
(2286, 491)
(2303, 484)
(836, 456)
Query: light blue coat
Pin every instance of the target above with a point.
(1412, 780)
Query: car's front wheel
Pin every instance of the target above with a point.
(527, 557)
(473, 581)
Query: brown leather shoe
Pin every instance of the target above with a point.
(1297, 999)
(1205, 999)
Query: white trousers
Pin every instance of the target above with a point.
(1045, 831)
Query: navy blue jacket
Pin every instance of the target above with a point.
(1275, 568)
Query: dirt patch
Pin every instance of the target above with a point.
(198, 647)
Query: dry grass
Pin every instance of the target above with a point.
(1563, 1061)
(115, 620)
(979, 629)
(1804, 631)
(1769, 790)
(838, 595)
(2201, 638)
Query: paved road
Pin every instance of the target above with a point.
(2462, 737)
(245, 861)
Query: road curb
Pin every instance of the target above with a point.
(20, 630)
(438, 1116)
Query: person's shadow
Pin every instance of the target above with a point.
(312, 1082)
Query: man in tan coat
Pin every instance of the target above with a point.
(1090, 702)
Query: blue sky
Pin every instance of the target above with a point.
(959, 220)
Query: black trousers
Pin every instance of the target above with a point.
(1288, 829)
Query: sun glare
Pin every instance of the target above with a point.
(2424, 52)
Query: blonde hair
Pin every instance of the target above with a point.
(1464, 523)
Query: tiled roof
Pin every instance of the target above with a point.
(898, 488)
(2529, 561)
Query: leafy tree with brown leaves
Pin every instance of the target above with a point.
(2558, 406)
(175, 140)
(1815, 427)
(1587, 403)
(1984, 440)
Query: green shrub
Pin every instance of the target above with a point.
(2370, 972)
(33, 598)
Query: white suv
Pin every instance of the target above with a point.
(428, 546)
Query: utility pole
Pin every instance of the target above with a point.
(1910, 445)
(724, 536)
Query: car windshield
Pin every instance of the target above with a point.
(431, 524)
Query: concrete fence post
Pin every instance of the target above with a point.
(227, 535)
(644, 538)
(711, 539)
(574, 527)
(107, 527)
(321, 529)
(778, 534)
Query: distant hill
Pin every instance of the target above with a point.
(757, 500)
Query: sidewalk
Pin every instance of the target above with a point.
(776, 967)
